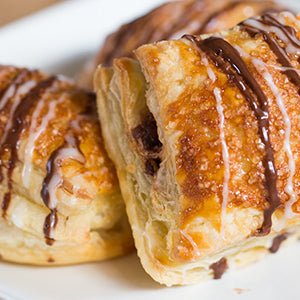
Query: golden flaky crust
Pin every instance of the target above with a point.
(216, 185)
(172, 20)
(60, 198)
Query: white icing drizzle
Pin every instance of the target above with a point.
(8, 94)
(290, 48)
(69, 151)
(289, 188)
(225, 154)
(17, 93)
(288, 15)
(280, 68)
(34, 133)
(4, 70)
(55, 182)
(284, 68)
(13, 89)
(192, 242)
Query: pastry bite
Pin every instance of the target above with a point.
(205, 132)
(60, 198)
(172, 20)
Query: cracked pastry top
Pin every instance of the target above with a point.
(60, 198)
(170, 21)
(205, 138)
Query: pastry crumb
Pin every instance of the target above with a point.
(241, 291)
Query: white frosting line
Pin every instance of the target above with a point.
(23, 89)
(284, 68)
(55, 182)
(290, 48)
(192, 242)
(289, 188)
(16, 94)
(34, 133)
(225, 154)
(8, 94)
(70, 151)
(289, 15)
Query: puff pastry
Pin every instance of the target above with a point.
(60, 198)
(204, 132)
(172, 20)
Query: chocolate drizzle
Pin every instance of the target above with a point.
(17, 81)
(54, 162)
(265, 26)
(6, 201)
(230, 62)
(10, 143)
(51, 220)
(49, 225)
(277, 241)
(51, 168)
(219, 268)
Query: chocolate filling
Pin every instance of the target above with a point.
(219, 268)
(148, 144)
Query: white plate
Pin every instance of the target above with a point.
(58, 40)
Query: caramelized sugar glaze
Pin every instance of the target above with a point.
(230, 62)
(50, 127)
(251, 73)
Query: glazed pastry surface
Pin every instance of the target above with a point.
(205, 139)
(60, 198)
(170, 21)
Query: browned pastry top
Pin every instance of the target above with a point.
(172, 20)
(235, 103)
